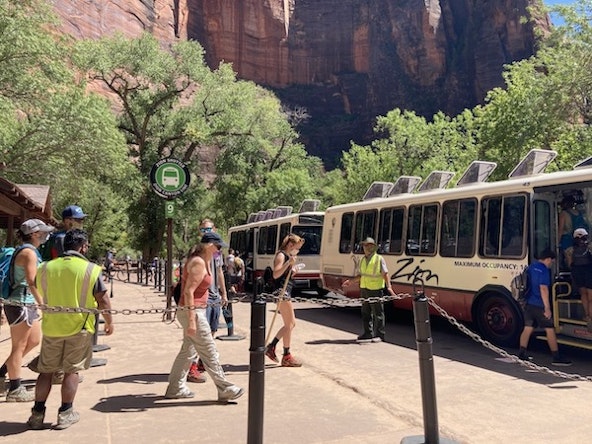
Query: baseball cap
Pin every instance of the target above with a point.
(368, 240)
(73, 212)
(546, 253)
(580, 232)
(214, 238)
(34, 225)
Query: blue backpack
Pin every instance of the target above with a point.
(7, 255)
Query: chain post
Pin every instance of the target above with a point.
(256, 368)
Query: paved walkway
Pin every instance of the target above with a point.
(344, 393)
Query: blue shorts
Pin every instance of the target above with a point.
(213, 314)
(534, 316)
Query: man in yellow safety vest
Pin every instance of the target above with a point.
(373, 278)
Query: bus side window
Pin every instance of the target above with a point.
(345, 236)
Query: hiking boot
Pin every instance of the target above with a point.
(290, 361)
(200, 366)
(181, 394)
(21, 394)
(67, 418)
(560, 361)
(230, 393)
(270, 353)
(36, 419)
(195, 375)
(365, 338)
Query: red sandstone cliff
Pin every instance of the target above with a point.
(346, 61)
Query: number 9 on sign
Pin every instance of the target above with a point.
(169, 209)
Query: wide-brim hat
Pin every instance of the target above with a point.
(367, 241)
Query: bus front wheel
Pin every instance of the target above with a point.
(498, 319)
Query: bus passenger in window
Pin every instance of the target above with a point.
(579, 259)
(373, 278)
(538, 307)
(570, 219)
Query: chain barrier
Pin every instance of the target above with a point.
(331, 302)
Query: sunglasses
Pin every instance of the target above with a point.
(206, 230)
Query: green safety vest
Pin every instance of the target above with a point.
(371, 273)
(67, 281)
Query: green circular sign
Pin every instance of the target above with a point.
(169, 177)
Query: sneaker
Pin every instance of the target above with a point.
(290, 361)
(3, 387)
(377, 339)
(560, 361)
(230, 393)
(364, 338)
(195, 375)
(270, 353)
(181, 394)
(67, 418)
(523, 356)
(200, 366)
(20, 394)
(36, 419)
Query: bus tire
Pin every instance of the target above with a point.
(498, 319)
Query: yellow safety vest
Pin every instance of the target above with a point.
(67, 281)
(371, 273)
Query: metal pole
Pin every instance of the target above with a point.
(256, 370)
(169, 269)
(423, 338)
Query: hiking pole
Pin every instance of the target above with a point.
(298, 267)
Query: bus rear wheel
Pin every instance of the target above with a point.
(498, 320)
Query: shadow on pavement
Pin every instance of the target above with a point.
(148, 401)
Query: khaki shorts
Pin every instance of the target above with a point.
(70, 354)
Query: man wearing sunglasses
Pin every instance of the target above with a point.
(216, 300)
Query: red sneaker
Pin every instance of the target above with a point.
(290, 361)
(270, 353)
(195, 375)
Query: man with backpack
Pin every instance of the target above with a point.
(72, 217)
(538, 307)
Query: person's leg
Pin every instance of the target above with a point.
(367, 320)
(378, 321)
(289, 319)
(19, 335)
(69, 388)
(187, 354)
(206, 348)
(585, 298)
(525, 336)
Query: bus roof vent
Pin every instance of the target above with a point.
(282, 211)
(378, 189)
(309, 205)
(252, 218)
(477, 171)
(533, 163)
(404, 185)
(586, 163)
(269, 214)
(436, 180)
(261, 215)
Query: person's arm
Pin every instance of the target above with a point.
(281, 265)
(196, 271)
(104, 303)
(545, 297)
(222, 285)
(27, 258)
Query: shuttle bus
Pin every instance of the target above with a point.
(260, 238)
(466, 243)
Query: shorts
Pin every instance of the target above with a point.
(581, 276)
(70, 354)
(534, 316)
(213, 314)
(15, 314)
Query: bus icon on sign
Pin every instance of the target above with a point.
(170, 177)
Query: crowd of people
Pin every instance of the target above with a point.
(50, 268)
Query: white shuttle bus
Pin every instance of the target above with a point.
(465, 243)
(260, 238)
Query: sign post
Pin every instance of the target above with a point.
(169, 178)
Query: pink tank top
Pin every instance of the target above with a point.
(200, 295)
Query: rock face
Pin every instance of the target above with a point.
(345, 61)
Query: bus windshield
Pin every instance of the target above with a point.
(312, 238)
